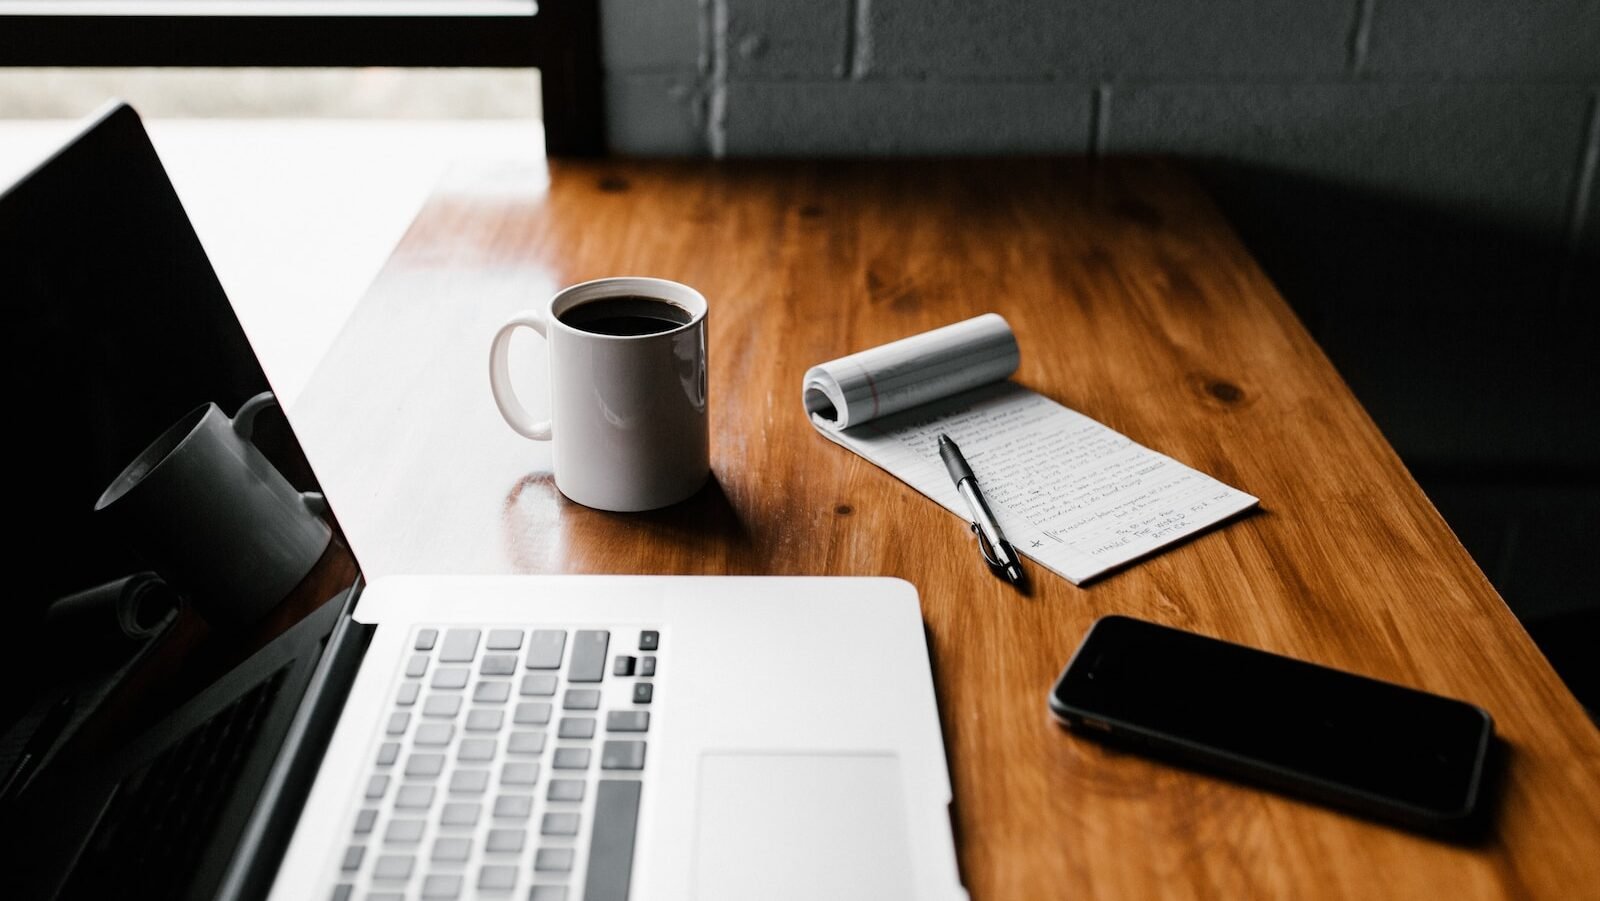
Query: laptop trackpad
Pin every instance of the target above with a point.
(781, 826)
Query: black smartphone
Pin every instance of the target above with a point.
(1380, 749)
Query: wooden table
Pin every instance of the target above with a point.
(1134, 303)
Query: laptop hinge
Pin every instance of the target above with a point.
(266, 833)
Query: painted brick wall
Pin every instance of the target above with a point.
(696, 76)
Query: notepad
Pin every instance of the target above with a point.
(1075, 496)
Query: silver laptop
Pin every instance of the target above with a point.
(633, 737)
(437, 737)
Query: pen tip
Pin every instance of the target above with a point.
(1014, 573)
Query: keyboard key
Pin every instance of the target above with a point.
(531, 713)
(434, 734)
(647, 666)
(503, 840)
(622, 755)
(413, 797)
(450, 677)
(643, 692)
(553, 860)
(386, 896)
(426, 638)
(513, 807)
(352, 858)
(491, 692)
(565, 790)
(377, 785)
(469, 782)
(545, 649)
(417, 665)
(441, 705)
(519, 774)
(451, 849)
(649, 640)
(498, 665)
(485, 720)
(628, 721)
(526, 743)
(622, 666)
(407, 695)
(398, 721)
(423, 765)
(394, 866)
(504, 639)
(460, 645)
(560, 824)
(388, 753)
(364, 821)
(461, 813)
(441, 887)
(404, 832)
(496, 877)
(538, 685)
(571, 759)
(588, 656)
(581, 699)
(616, 819)
(476, 749)
(576, 727)
(548, 893)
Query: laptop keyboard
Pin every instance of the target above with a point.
(509, 766)
(156, 829)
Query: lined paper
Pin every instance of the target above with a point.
(1072, 494)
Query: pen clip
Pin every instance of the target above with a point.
(984, 548)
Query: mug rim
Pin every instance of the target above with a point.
(665, 290)
(189, 424)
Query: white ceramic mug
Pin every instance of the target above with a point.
(215, 517)
(628, 413)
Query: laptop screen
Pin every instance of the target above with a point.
(150, 467)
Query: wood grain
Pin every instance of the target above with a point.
(1134, 303)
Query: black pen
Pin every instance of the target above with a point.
(992, 542)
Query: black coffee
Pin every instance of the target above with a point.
(626, 316)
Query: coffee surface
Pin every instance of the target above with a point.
(626, 316)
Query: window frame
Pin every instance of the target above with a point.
(561, 38)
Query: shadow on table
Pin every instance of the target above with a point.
(1473, 342)
(707, 520)
(701, 534)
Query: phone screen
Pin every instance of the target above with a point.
(1256, 710)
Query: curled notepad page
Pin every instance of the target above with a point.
(912, 371)
(1070, 493)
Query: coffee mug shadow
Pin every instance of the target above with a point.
(707, 524)
(546, 532)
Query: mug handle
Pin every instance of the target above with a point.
(244, 421)
(505, 395)
(244, 425)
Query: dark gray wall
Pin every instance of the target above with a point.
(1418, 176)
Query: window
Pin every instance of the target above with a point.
(558, 37)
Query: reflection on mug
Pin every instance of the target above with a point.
(690, 349)
(215, 518)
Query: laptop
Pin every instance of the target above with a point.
(295, 732)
